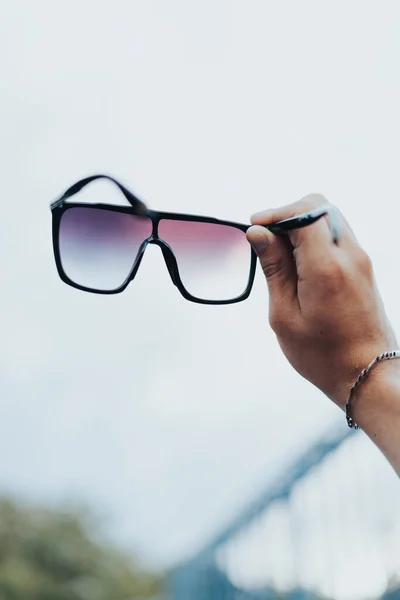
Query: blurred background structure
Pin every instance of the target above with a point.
(305, 536)
(165, 417)
(317, 532)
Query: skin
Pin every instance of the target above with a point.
(329, 318)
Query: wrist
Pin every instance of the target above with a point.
(376, 409)
(378, 396)
(377, 366)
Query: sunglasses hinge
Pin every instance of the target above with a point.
(57, 203)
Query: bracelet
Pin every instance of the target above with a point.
(385, 356)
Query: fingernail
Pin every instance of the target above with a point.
(258, 239)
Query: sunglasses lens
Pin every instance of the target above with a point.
(98, 248)
(213, 260)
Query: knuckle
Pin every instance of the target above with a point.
(364, 262)
(332, 273)
(272, 268)
(277, 323)
(311, 201)
(280, 322)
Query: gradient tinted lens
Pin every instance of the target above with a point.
(98, 248)
(213, 260)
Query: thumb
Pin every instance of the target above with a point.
(276, 258)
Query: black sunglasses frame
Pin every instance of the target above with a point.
(138, 208)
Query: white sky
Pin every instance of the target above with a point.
(164, 414)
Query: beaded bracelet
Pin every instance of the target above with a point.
(385, 356)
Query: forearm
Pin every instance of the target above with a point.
(376, 409)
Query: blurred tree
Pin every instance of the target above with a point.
(48, 554)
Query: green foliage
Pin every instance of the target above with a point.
(47, 554)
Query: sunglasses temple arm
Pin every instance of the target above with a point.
(305, 219)
(77, 187)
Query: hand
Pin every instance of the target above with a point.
(324, 307)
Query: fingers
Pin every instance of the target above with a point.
(313, 245)
(273, 215)
(306, 205)
(276, 259)
(299, 264)
(276, 255)
(314, 235)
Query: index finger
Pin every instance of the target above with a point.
(308, 218)
(312, 237)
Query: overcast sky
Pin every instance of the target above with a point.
(166, 415)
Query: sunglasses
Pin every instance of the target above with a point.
(99, 247)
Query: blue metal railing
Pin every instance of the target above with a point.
(199, 578)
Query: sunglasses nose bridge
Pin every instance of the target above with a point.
(169, 257)
(154, 238)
